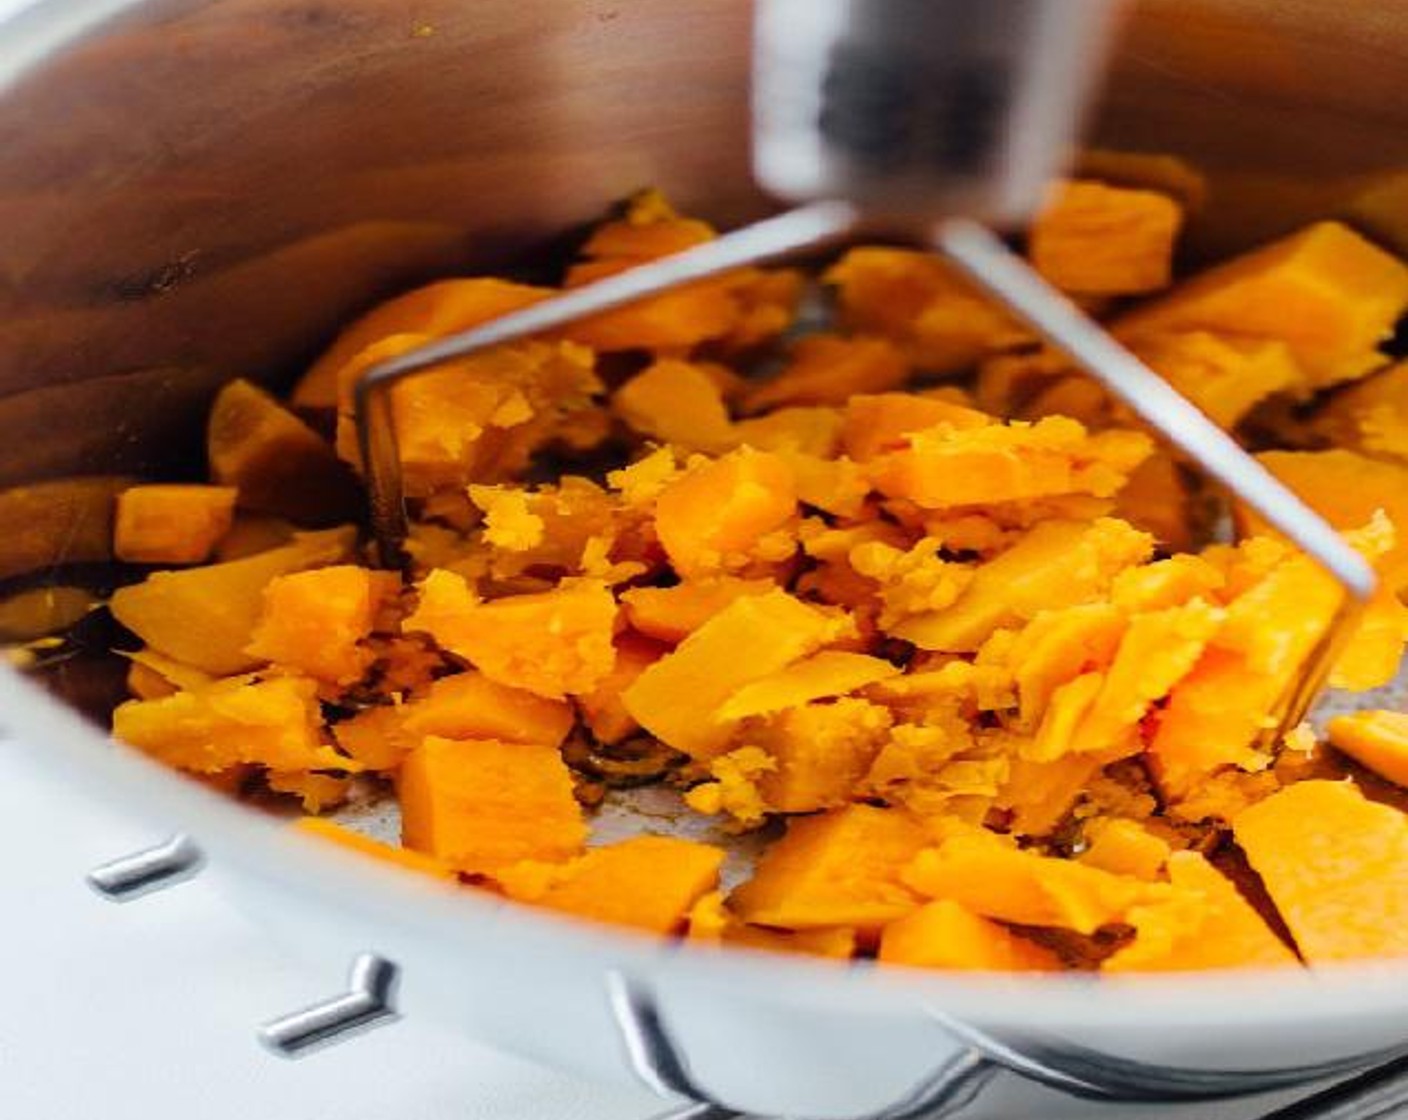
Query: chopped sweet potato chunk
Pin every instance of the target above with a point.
(677, 403)
(915, 299)
(480, 805)
(273, 722)
(171, 523)
(1094, 239)
(885, 421)
(205, 617)
(830, 369)
(1370, 417)
(672, 614)
(1335, 865)
(678, 697)
(1000, 881)
(1326, 292)
(830, 673)
(1056, 564)
(720, 514)
(604, 708)
(945, 935)
(552, 643)
(838, 869)
(1347, 489)
(470, 705)
(649, 882)
(314, 622)
(1205, 923)
(1377, 740)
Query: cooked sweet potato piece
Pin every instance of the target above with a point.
(374, 737)
(1347, 489)
(649, 882)
(274, 723)
(551, 643)
(436, 309)
(604, 707)
(1204, 923)
(1056, 564)
(366, 845)
(1336, 867)
(1326, 292)
(49, 524)
(677, 698)
(1370, 417)
(1093, 239)
(717, 516)
(943, 468)
(915, 299)
(830, 369)
(1225, 376)
(279, 464)
(945, 935)
(884, 421)
(830, 673)
(1124, 847)
(672, 614)
(1038, 795)
(998, 880)
(479, 805)
(1374, 739)
(469, 705)
(205, 617)
(314, 622)
(171, 523)
(812, 431)
(676, 403)
(838, 869)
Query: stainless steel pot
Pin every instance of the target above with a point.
(191, 192)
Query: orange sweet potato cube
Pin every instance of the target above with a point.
(884, 421)
(274, 723)
(917, 300)
(944, 935)
(676, 403)
(649, 882)
(1328, 293)
(821, 751)
(671, 614)
(366, 845)
(1001, 881)
(374, 737)
(469, 705)
(1056, 564)
(604, 708)
(710, 519)
(1336, 867)
(1205, 923)
(943, 467)
(481, 804)
(434, 310)
(830, 369)
(1377, 740)
(313, 622)
(204, 617)
(1124, 847)
(1223, 376)
(840, 868)
(1093, 239)
(676, 699)
(1347, 489)
(551, 643)
(171, 523)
